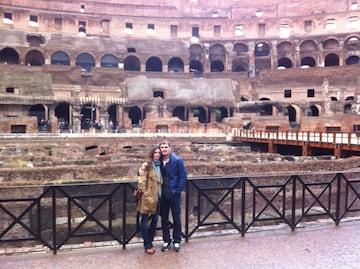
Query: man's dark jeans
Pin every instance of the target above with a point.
(173, 203)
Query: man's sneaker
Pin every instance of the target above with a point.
(177, 247)
(166, 246)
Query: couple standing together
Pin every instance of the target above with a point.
(162, 178)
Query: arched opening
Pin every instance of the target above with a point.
(132, 63)
(285, 62)
(9, 56)
(109, 60)
(153, 64)
(34, 58)
(262, 57)
(352, 60)
(195, 52)
(196, 68)
(135, 116)
(313, 111)
(332, 60)
(308, 52)
(175, 65)
(221, 113)
(60, 58)
(331, 44)
(261, 49)
(217, 57)
(240, 65)
(266, 109)
(347, 108)
(85, 61)
(240, 49)
(217, 66)
(284, 50)
(291, 114)
(308, 61)
(200, 113)
(113, 121)
(179, 112)
(88, 119)
(62, 113)
(35, 40)
(39, 112)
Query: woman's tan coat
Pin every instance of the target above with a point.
(148, 202)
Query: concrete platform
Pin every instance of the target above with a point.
(316, 246)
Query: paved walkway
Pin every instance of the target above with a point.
(317, 246)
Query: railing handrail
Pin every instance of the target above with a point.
(56, 214)
(301, 136)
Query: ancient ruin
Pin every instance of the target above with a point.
(174, 67)
(179, 67)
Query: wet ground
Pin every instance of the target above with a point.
(322, 246)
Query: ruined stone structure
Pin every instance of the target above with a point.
(179, 66)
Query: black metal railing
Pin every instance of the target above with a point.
(58, 215)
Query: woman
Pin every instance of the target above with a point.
(150, 185)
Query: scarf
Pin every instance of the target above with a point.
(156, 166)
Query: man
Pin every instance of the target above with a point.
(174, 181)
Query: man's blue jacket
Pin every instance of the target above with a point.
(176, 174)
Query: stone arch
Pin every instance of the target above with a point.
(352, 60)
(109, 60)
(349, 100)
(179, 112)
(132, 63)
(262, 49)
(284, 49)
(62, 113)
(313, 111)
(308, 53)
(331, 44)
(240, 49)
(347, 108)
(221, 113)
(176, 64)
(308, 62)
(266, 109)
(293, 113)
(9, 56)
(201, 113)
(135, 115)
(217, 52)
(85, 61)
(89, 113)
(262, 56)
(217, 66)
(285, 62)
(352, 43)
(196, 67)
(60, 58)
(35, 58)
(332, 59)
(195, 52)
(154, 64)
(240, 65)
(35, 40)
(41, 113)
(113, 120)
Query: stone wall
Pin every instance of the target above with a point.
(58, 161)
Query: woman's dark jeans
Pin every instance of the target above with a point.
(148, 228)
